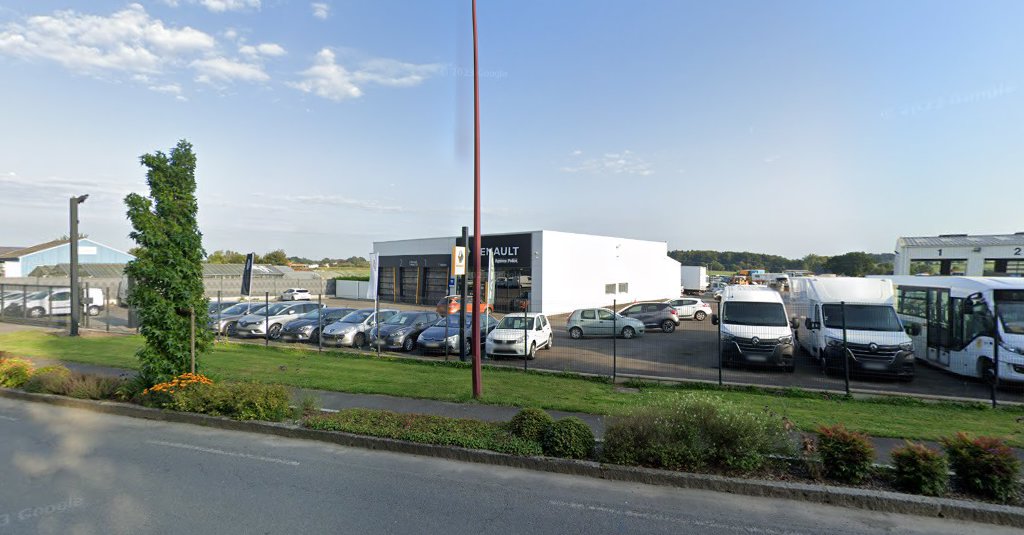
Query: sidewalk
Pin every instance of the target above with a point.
(336, 401)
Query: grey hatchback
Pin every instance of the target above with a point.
(661, 315)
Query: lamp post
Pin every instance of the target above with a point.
(477, 381)
(76, 304)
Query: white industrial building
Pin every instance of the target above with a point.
(961, 254)
(556, 271)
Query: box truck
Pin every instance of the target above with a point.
(874, 338)
(693, 279)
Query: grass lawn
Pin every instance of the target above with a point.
(897, 417)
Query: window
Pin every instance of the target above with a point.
(635, 309)
(604, 315)
(654, 307)
(913, 302)
(977, 321)
(623, 287)
(61, 296)
(588, 315)
(688, 302)
(609, 289)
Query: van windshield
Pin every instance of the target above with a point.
(1011, 313)
(862, 317)
(748, 313)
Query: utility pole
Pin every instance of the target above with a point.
(477, 386)
(76, 298)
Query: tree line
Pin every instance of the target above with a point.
(854, 264)
(280, 258)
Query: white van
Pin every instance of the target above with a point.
(54, 302)
(875, 339)
(755, 328)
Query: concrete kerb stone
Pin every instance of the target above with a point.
(883, 501)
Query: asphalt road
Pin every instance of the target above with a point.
(691, 353)
(71, 471)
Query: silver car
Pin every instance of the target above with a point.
(602, 322)
(270, 321)
(354, 329)
(225, 322)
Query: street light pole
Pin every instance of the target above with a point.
(477, 386)
(76, 302)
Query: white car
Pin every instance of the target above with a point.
(296, 294)
(270, 321)
(53, 302)
(691, 307)
(520, 334)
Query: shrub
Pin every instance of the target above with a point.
(309, 405)
(85, 386)
(530, 423)
(48, 380)
(426, 429)
(14, 372)
(694, 432)
(241, 401)
(985, 466)
(846, 456)
(570, 438)
(920, 470)
(132, 389)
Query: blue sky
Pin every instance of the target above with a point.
(783, 127)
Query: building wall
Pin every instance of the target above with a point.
(89, 252)
(576, 267)
(905, 255)
(428, 246)
(12, 268)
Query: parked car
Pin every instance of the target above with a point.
(520, 302)
(518, 334)
(213, 307)
(354, 329)
(54, 302)
(308, 326)
(451, 305)
(227, 320)
(443, 335)
(272, 319)
(401, 330)
(691, 307)
(662, 315)
(602, 322)
(296, 294)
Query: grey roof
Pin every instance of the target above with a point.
(18, 253)
(115, 271)
(963, 240)
(236, 270)
(4, 249)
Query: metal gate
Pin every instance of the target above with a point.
(436, 285)
(387, 284)
(410, 285)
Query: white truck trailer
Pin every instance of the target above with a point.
(693, 279)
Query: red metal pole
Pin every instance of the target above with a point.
(477, 386)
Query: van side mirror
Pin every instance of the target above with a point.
(913, 329)
(811, 325)
(794, 323)
(714, 319)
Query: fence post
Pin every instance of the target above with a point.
(3, 306)
(319, 323)
(266, 319)
(995, 354)
(526, 341)
(615, 340)
(219, 308)
(24, 301)
(88, 318)
(846, 350)
(720, 361)
(106, 306)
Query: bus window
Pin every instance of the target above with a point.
(959, 325)
(977, 321)
(938, 317)
(912, 302)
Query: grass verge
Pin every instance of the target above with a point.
(883, 417)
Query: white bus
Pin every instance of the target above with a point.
(959, 319)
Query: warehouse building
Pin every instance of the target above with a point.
(991, 255)
(555, 272)
(22, 262)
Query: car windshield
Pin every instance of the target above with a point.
(38, 295)
(276, 309)
(1011, 314)
(862, 317)
(748, 313)
(453, 321)
(358, 316)
(310, 315)
(402, 318)
(335, 315)
(516, 322)
(242, 308)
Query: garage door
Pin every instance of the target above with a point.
(436, 285)
(409, 285)
(387, 284)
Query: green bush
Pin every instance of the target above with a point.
(14, 372)
(426, 429)
(85, 386)
(695, 432)
(48, 380)
(984, 466)
(132, 389)
(570, 438)
(920, 470)
(241, 401)
(530, 423)
(846, 456)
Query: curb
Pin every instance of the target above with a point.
(881, 501)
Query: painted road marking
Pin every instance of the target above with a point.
(706, 524)
(222, 452)
(8, 418)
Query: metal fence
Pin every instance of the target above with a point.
(844, 348)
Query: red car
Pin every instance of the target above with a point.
(451, 305)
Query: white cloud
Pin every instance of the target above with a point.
(220, 6)
(171, 89)
(224, 69)
(128, 40)
(625, 162)
(320, 10)
(263, 49)
(330, 80)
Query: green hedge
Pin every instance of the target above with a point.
(241, 401)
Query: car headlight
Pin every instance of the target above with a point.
(786, 339)
(834, 342)
(907, 346)
(521, 339)
(306, 329)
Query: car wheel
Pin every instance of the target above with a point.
(533, 351)
(359, 340)
(575, 333)
(409, 344)
(551, 342)
(231, 329)
(628, 332)
(314, 336)
(275, 331)
(668, 326)
(700, 315)
(36, 312)
(93, 310)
